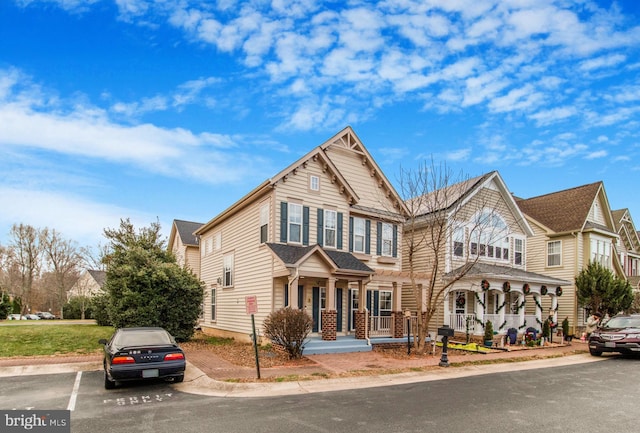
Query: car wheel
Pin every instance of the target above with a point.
(594, 352)
(108, 383)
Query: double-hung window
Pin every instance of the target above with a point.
(359, 235)
(213, 305)
(458, 242)
(330, 228)
(264, 223)
(518, 251)
(554, 253)
(227, 271)
(295, 223)
(387, 239)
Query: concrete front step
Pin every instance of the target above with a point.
(319, 347)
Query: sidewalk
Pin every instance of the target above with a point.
(209, 374)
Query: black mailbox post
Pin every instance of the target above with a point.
(445, 331)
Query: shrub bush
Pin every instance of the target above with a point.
(488, 331)
(288, 328)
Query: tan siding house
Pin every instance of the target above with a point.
(571, 228)
(322, 235)
(185, 245)
(488, 277)
(628, 249)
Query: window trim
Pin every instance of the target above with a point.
(388, 229)
(227, 268)
(213, 304)
(522, 252)
(312, 178)
(290, 223)
(558, 253)
(264, 222)
(356, 220)
(326, 228)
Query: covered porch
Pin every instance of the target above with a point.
(507, 297)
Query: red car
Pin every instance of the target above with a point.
(142, 353)
(620, 334)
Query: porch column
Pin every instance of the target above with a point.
(361, 314)
(447, 309)
(554, 307)
(502, 307)
(398, 314)
(293, 292)
(479, 329)
(536, 299)
(330, 314)
(521, 299)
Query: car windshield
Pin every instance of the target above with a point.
(623, 322)
(142, 337)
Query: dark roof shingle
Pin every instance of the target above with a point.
(186, 230)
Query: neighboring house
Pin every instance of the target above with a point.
(183, 243)
(486, 253)
(322, 235)
(628, 249)
(571, 228)
(89, 284)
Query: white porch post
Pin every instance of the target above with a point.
(397, 297)
(447, 310)
(479, 312)
(293, 293)
(521, 299)
(502, 311)
(331, 294)
(554, 307)
(536, 299)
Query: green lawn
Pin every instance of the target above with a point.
(32, 340)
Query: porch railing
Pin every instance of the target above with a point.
(380, 326)
(459, 322)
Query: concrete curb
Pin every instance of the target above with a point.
(196, 382)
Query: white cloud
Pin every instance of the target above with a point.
(75, 217)
(597, 154)
(602, 62)
(557, 114)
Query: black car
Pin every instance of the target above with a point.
(620, 334)
(142, 353)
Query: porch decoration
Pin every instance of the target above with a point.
(460, 301)
(504, 303)
(485, 285)
(543, 290)
(506, 287)
(521, 306)
(480, 300)
(488, 334)
(538, 304)
(502, 326)
(526, 289)
(558, 291)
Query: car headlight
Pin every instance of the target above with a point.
(595, 334)
(633, 336)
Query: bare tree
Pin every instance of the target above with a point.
(26, 255)
(63, 259)
(440, 220)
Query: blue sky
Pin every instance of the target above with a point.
(159, 109)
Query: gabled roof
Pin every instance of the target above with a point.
(186, 230)
(626, 229)
(563, 211)
(99, 276)
(345, 138)
(292, 255)
(454, 196)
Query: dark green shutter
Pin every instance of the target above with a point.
(305, 225)
(339, 240)
(379, 238)
(395, 240)
(286, 295)
(300, 297)
(320, 226)
(315, 309)
(283, 221)
(367, 240)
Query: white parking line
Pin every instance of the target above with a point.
(74, 393)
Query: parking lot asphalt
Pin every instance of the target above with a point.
(209, 374)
